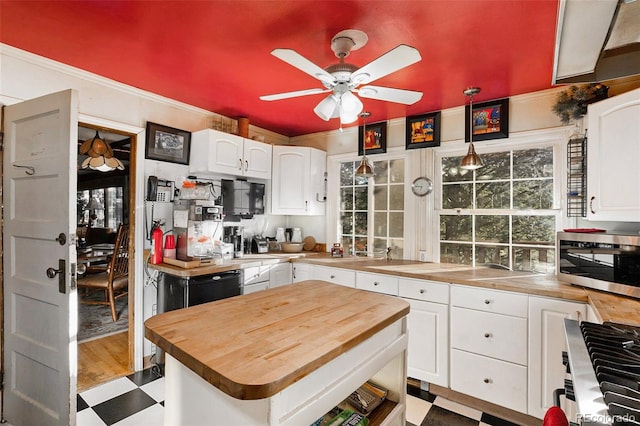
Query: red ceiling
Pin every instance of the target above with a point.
(216, 54)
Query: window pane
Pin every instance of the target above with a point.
(396, 224)
(397, 248)
(360, 246)
(455, 228)
(457, 196)
(496, 166)
(381, 172)
(361, 197)
(379, 246)
(534, 259)
(493, 195)
(347, 244)
(534, 230)
(492, 255)
(360, 220)
(380, 224)
(346, 198)
(397, 171)
(455, 253)
(346, 174)
(346, 222)
(396, 197)
(533, 194)
(380, 197)
(533, 163)
(492, 229)
(451, 171)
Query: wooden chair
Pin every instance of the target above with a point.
(114, 282)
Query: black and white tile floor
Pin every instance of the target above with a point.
(138, 400)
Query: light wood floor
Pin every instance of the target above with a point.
(102, 360)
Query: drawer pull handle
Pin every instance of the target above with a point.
(375, 283)
(488, 380)
(423, 291)
(332, 276)
(487, 301)
(487, 335)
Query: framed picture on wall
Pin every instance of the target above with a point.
(423, 131)
(375, 139)
(167, 144)
(490, 120)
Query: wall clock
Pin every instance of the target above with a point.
(422, 186)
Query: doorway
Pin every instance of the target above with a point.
(105, 348)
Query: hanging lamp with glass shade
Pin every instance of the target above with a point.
(472, 160)
(365, 168)
(100, 154)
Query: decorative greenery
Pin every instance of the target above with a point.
(572, 103)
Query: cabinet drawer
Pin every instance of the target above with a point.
(429, 291)
(498, 302)
(489, 379)
(340, 276)
(494, 335)
(386, 284)
(255, 274)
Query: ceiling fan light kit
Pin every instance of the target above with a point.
(343, 79)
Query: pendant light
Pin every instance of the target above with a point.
(364, 169)
(100, 155)
(471, 161)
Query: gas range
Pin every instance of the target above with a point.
(604, 362)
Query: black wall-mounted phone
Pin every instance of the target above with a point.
(159, 189)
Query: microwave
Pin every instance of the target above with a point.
(603, 261)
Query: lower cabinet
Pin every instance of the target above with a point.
(256, 278)
(301, 272)
(546, 343)
(280, 274)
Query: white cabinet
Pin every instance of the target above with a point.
(613, 155)
(280, 274)
(345, 277)
(387, 284)
(298, 180)
(489, 345)
(546, 343)
(256, 278)
(302, 272)
(428, 326)
(217, 152)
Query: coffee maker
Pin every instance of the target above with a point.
(234, 235)
(198, 228)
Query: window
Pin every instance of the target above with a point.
(501, 214)
(112, 213)
(372, 216)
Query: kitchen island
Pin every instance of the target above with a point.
(284, 356)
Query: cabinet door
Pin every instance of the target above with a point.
(613, 154)
(345, 277)
(428, 352)
(256, 274)
(302, 272)
(257, 159)
(290, 176)
(546, 343)
(248, 289)
(279, 275)
(213, 151)
(317, 182)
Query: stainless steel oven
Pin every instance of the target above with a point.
(604, 261)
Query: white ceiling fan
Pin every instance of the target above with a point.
(343, 79)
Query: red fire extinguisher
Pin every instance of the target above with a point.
(156, 245)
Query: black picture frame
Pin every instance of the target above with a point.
(377, 141)
(490, 120)
(423, 131)
(166, 143)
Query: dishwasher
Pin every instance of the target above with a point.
(182, 292)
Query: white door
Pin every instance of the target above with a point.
(40, 349)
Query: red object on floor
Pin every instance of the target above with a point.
(555, 417)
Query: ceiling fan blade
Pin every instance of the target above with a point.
(394, 60)
(287, 95)
(400, 96)
(303, 64)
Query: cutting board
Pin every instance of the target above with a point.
(186, 264)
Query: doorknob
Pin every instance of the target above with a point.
(60, 272)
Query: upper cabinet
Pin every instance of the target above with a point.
(613, 155)
(298, 180)
(217, 152)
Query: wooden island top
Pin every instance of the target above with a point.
(253, 346)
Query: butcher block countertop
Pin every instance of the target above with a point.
(254, 346)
